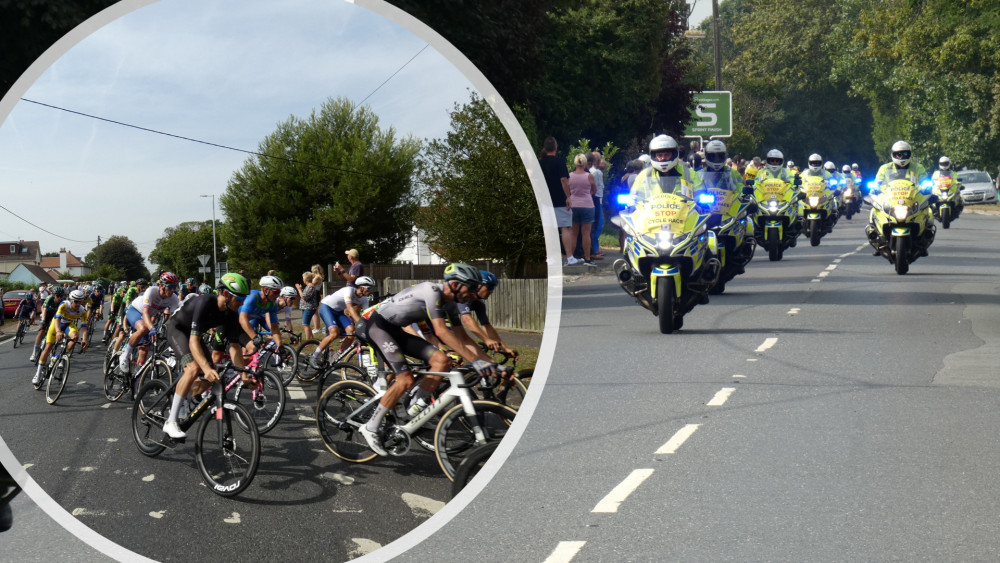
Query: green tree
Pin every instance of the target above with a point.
(479, 201)
(121, 253)
(178, 249)
(334, 181)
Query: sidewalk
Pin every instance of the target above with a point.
(601, 266)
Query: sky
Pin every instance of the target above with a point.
(225, 72)
(702, 11)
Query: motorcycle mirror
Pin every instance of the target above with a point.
(748, 189)
(798, 180)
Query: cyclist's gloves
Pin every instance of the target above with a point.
(484, 368)
(152, 331)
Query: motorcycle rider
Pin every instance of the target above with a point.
(944, 171)
(717, 175)
(902, 167)
(666, 173)
(816, 168)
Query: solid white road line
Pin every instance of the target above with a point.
(678, 439)
(720, 398)
(565, 552)
(617, 496)
(766, 345)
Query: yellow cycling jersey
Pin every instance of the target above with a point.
(66, 315)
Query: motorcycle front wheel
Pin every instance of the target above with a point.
(815, 232)
(902, 256)
(666, 302)
(946, 217)
(774, 253)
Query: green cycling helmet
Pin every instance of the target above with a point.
(235, 284)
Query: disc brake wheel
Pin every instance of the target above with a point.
(341, 437)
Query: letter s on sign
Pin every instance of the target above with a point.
(711, 118)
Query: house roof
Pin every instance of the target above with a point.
(53, 261)
(38, 272)
(22, 249)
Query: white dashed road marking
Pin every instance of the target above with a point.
(766, 345)
(422, 507)
(234, 519)
(721, 397)
(363, 546)
(794, 311)
(617, 496)
(678, 439)
(565, 552)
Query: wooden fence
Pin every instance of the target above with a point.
(515, 304)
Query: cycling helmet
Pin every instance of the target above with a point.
(463, 274)
(774, 160)
(664, 143)
(489, 280)
(271, 282)
(169, 278)
(901, 153)
(204, 289)
(235, 284)
(815, 162)
(365, 281)
(58, 290)
(289, 291)
(944, 163)
(715, 154)
(77, 295)
(191, 281)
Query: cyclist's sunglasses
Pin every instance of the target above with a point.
(76, 301)
(239, 298)
(170, 286)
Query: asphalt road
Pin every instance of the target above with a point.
(822, 409)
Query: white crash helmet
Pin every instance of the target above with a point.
(901, 152)
(854, 166)
(664, 143)
(778, 158)
(815, 162)
(830, 166)
(271, 282)
(790, 164)
(645, 160)
(715, 154)
(944, 163)
(845, 169)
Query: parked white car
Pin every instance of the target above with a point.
(978, 187)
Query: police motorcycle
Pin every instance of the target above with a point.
(733, 227)
(818, 207)
(778, 222)
(850, 193)
(670, 261)
(949, 203)
(901, 227)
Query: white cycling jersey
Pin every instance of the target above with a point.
(151, 300)
(339, 299)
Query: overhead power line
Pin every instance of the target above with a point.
(42, 228)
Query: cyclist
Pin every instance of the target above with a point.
(95, 303)
(286, 302)
(117, 299)
(49, 308)
(483, 329)
(383, 327)
(26, 309)
(132, 292)
(184, 333)
(261, 306)
(141, 314)
(71, 316)
(339, 311)
(190, 287)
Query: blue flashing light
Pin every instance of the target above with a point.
(626, 200)
(871, 185)
(926, 187)
(706, 199)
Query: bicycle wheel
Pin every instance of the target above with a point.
(19, 335)
(114, 386)
(454, 438)
(266, 404)
(510, 393)
(471, 465)
(286, 363)
(159, 369)
(57, 381)
(110, 359)
(341, 371)
(228, 449)
(305, 371)
(338, 402)
(149, 411)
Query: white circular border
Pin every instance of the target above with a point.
(555, 279)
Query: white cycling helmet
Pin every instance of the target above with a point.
(774, 160)
(289, 291)
(77, 295)
(944, 163)
(815, 162)
(664, 143)
(365, 281)
(271, 282)
(901, 153)
(715, 154)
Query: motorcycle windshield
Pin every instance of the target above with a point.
(773, 189)
(899, 192)
(814, 186)
(943, 184)
(665, 211)
(725, 201)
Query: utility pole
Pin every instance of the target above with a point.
(98, 255)
(715, 45)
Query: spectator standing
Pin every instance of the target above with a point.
(597, 166)
(582, 188)
(557, 179)
(354, 271)
(309, 296)
(693, 158)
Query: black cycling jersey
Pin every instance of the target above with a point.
(202, 314)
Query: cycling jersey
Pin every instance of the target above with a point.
(424, 301)
(257, 308)
(156, 304)
(340, 299)
(199, 314)
(97, 299)
(27, 307)
(478, 307)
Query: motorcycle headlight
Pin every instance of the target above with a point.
(813, 200)
(900, 212)
(848, 192)
(772, 205)
(664, 240)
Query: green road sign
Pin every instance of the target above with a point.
(711, 116)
